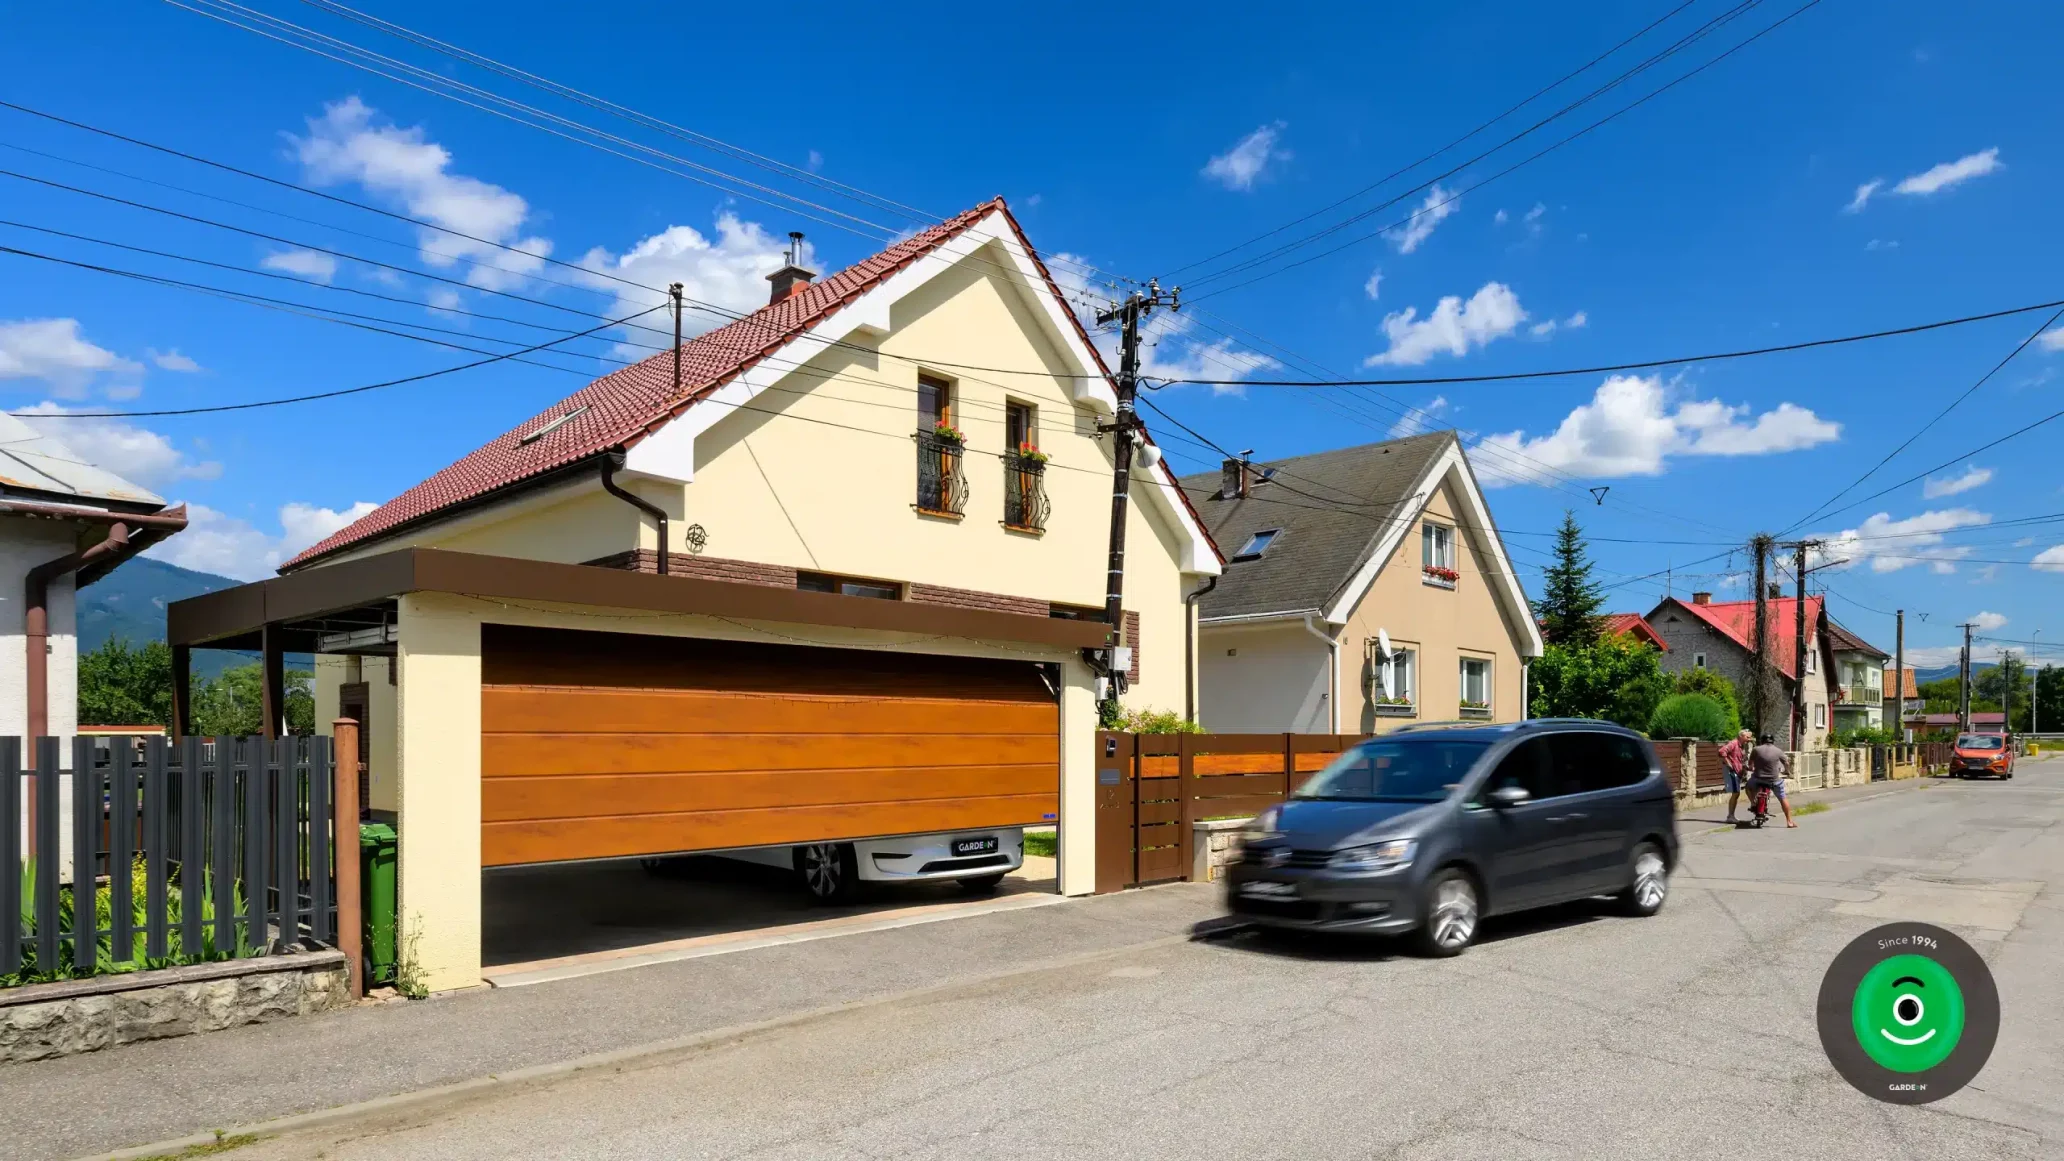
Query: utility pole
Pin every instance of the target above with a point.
(2006, 696)
(1759, 665)
(1898, 675)
(1799, 644)
(674, 293)
(1964, 681)
(1127, 315)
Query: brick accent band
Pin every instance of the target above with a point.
(925, 594)
(702, 567)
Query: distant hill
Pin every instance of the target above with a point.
(130, 602)
(1942, 671)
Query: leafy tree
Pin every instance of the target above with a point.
(1940, 697)
(234, 703)
(1866, 736)
(126, 685)
(1570, 599)
(1614, 678)
(1712, 683)
(1693, 715)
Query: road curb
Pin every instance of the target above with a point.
(460, 1091)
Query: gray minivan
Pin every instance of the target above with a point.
(1430, 828)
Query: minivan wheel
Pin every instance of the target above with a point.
(1648, 884)
(1451, 909)
(830, 871)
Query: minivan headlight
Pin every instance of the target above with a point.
(1388, 856)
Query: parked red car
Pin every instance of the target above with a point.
(1987, 754)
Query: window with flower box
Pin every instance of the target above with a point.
(1024, 469)
(941, 486)
(1393, 680)
(1437, 555)
(1476, 687)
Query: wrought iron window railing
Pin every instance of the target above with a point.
(1024, 492)
(941, 487)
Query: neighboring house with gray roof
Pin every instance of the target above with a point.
(1367, 588)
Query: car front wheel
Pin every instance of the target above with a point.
(1451, 908)
(830, 871)
(1649, 881)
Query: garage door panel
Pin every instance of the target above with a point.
(515, 756)
(538, 841)
(567, 709)
(612, 795)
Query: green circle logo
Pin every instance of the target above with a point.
(1908, 1013)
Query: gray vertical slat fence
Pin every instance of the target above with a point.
(86, 800)
(46, 851)
(193, 854)
(322, 923)
(10, 854)
(250, 770)
(121, 833)
(222, 845)
(157, 836)
(286, 845)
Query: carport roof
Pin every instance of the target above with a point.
(233, 618)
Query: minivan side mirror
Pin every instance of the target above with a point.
(1506, 797)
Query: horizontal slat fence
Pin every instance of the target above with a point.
(1178, 780)
(199, 849)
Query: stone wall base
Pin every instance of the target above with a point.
(41, 1021)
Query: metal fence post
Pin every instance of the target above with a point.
(344, 841)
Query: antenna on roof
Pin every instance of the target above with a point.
(1598, 495)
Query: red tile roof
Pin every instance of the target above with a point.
(1635, 623)
(622, 408)
(1737, 620)
(1911, 683)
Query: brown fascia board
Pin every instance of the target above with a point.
(233, 613)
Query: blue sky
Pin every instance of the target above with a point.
(1727, 212)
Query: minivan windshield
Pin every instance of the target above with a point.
(1978, 742)
(1401, 770)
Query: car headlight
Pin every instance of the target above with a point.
(1388, 856)
(1262, 829)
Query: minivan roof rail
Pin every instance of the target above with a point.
(1567, 721)
(1447, 724)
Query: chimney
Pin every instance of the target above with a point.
(1701, 598)
(1234, 477)
(1776, 591)
(791, 278)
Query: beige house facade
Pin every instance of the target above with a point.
(844, 578)
(1366, 589)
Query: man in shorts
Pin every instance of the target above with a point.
(1734, 760)
(1767, 766)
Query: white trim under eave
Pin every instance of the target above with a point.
(1258, 618)
(1449, 465)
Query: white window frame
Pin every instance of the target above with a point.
(1437, 544)
(1812, 660)
(1820, 715)
(1489, 684)
(1403, 667)
(1249, 551)
(1698, 661)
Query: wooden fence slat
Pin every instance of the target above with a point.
(45, 866)
(320, 772)
(222, 844)
(10, 854)
(121, 836)
(1241, 807)
(86, 813)
(157, 833)
(1223, 785)
(193, 851)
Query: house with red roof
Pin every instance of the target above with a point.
(1633, 625)
(1706, 634)
(829, 574)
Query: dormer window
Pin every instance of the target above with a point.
(1257, 544)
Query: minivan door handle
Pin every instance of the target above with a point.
(1579, 817)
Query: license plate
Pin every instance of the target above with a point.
(975, 846)
(1269, 890)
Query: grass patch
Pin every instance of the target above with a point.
(220, 1144)
(1044, 843)
(1810, 808)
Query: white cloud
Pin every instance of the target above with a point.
(1578, 321)
(1033, 201)
(1889, 545)
(1454, 326)
(1973, 478)
(1439, 204)
(1534, 215)
(1420, 419)
(313, 265)
(52, 349)
(444, 299)
(2024, 542)
(349, 143)
(131, 452)
(2052, 340)
(1863, 196)
(1629, 428)
(1987, 622)
(1546, 327)
(728, 271)
(229, 546)
(1881, 244)
(1375, 285)
(1500, 218)
(1168, 350)
(1987, 575)
(172, 360)
(1241, 166)
(816, 161)
(1950, 173)
(2049, 559)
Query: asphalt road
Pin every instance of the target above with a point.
(1571, 1035)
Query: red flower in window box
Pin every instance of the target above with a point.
(1027, 452)
(1447, 574)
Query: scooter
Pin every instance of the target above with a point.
(1759, 804)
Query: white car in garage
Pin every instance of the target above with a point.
(832, 872)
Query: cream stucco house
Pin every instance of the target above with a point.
(1365, 588)
(839, 575)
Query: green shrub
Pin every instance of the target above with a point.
(1866, 736)
(1713, 684)
(1692, 715)
(1153, 721)
(33, 972)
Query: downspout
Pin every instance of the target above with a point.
(1526, 688)
(119, 545)
(1332, 671)
(612, 464)
(1190, 649)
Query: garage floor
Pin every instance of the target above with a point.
(547, 913)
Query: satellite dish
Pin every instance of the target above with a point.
(1386, 673)
(1383, 643)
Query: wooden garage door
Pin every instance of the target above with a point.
(599, 745)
